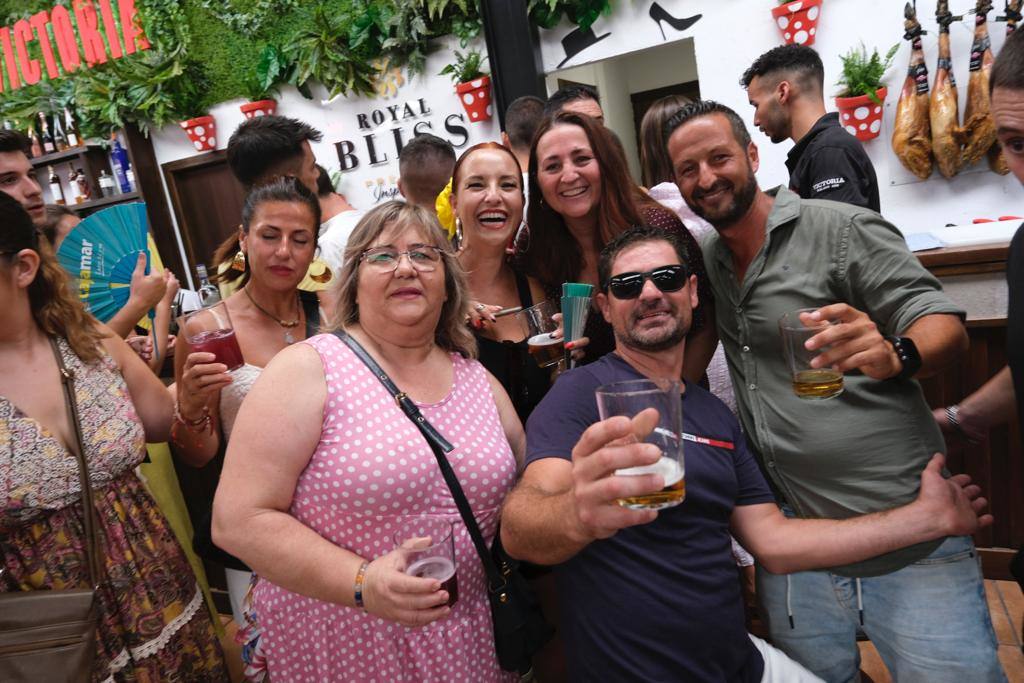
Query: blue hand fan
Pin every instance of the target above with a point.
(100, 254)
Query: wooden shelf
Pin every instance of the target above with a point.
(106, 201)
(56, 157)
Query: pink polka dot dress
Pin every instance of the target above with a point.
(371, 469)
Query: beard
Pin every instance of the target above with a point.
(742, 199)
(658, 339)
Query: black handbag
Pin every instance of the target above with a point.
(520, 629)
(50, 635)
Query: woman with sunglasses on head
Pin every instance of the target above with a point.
(325, 467)
(487, 200)
(151, 623)
(584, 198)
(276, 244)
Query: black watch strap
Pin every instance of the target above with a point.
(906, 351)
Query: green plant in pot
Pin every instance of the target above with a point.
(862, 94)
(261, 85)
(472, 84)
(187, 94)
(797, 21)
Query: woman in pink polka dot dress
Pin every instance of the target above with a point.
(323, 467)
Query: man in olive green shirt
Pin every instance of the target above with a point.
(854, 454)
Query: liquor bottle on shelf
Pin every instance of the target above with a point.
(59, 138)
(107, 185)
(71, 129)
(76, 191)
(119, 163)
(208, 292)
(47, 138)
(84, 190)
(56, 192)
(130, 175)
(37, 146)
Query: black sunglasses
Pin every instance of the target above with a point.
(665, 278)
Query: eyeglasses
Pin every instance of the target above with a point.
(422, 257)
(666, 278)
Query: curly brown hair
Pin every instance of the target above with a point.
(54, 307)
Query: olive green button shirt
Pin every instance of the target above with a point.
(864, 450)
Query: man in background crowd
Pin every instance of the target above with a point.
(786, 88)
(425, 166)
(339, 219)
(581, 99)
(521, 120)
(859, 452)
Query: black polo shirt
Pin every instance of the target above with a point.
(1015, 317)
(829, 163)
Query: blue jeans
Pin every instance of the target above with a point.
(929, 620)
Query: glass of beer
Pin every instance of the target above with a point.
(664, 395)
(814, 384)
(210, 330)
(428, 549)
(539, 326)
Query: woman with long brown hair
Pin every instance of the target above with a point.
(151, 621)
(581, 196)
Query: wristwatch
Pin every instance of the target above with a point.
(906, 351)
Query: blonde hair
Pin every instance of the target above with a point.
(452, 333)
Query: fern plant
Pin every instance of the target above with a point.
(321, 52)
(466, 67)
(862, 74)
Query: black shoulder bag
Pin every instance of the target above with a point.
(519, 626)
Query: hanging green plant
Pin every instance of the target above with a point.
(250, 18)
(583, 13)
(318, 53)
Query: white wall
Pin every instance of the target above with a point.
(368, 183)
(732, 33)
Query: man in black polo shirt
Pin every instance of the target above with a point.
(785, 85)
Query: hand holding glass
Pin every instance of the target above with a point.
(209, 330)
(808, 382)
(539, 326)
(664, 395)
(428, 548)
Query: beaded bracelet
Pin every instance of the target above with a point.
(197, 427)
(360, 576)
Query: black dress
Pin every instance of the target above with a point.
(512, 365)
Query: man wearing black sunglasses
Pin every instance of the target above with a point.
(773, 253)
(653, 596)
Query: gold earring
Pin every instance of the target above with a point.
(324, 276)
(238, 263)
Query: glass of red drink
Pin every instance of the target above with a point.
(210, 330)
(428, 549)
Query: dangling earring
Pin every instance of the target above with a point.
(457, 238)
(238, 263)
(324, 276)
(521, 241)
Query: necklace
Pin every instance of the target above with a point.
(286, 324)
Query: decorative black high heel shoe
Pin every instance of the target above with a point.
(660, 14)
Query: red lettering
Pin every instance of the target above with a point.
(113, 40)
(92, 42)
(12, 66)
(30, 70)
(39, 22)
(134, 38)
(67, 44)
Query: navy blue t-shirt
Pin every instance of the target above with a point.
(659, 602)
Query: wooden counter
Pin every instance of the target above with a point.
(985, 258)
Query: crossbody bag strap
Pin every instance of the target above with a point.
(67, 380)
(440, 446)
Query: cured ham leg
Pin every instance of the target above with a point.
(942, 109)
(996, 160)
(912, 134)
(979, 130)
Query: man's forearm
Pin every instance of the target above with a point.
(990, 405)
(539, 527)
(940, 339)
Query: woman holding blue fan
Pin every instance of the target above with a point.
(151, 623)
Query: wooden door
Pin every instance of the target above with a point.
(207, 202)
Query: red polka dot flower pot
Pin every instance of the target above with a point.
(476, 98)
(202, 131)
(798, 21)
(861, 116)
(259, 108)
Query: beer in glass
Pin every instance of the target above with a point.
(808, 383)
(428, 549)
(664, 395)
(539, 326)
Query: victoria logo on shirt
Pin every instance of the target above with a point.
(828, 184)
